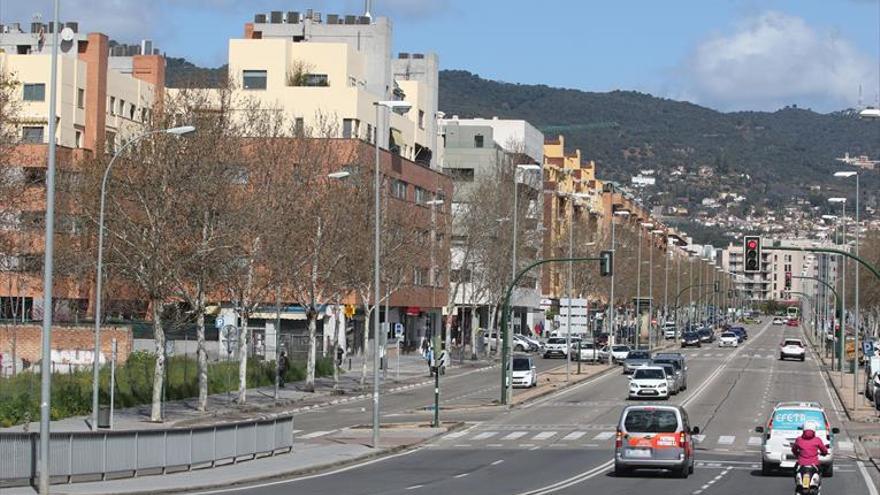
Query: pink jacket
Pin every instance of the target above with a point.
(807, 447)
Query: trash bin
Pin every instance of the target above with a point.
(103, 416)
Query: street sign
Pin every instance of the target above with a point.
(229, 337)
(398, 331)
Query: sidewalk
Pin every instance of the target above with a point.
(261, 402)
(349, 446)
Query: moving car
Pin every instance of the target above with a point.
(584, 351)
(740, 333)
(792, 348)
(525, 373)
(673, 379)
(636, 359)
(654, 437)
(669, 330)
(557, 346)
(706, 335)
(778, 321)
(691, 339)
(618, 353)
(677, 360)
(728, 339)
(785, 424)
(649, 381)
(793, 322)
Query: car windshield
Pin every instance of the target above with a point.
(650, 374)
(793, 419)
(729, 335)
(651, 420)
(796, 343)
(620, 348)
(521, 364)
(638, 355)
(585, 345)
(556, 340)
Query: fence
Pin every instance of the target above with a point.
(120, 453)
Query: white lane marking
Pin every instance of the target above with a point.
(485, 435)
(495, 445)
(296, 431)
(754, 440)
(699, 438)
(568, 390)
(316, 434)
(499, 461)
(605, 435)
(578, 478)
(414, 487)
(457, 434)
(574, 435)
(462, 475)
(544, 435)
(726, 439)
(845, 446)
(872, 489)
(515, 435)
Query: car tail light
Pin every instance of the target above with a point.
(682, 440)
(618, 443)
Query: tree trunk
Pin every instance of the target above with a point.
(159, 369)
(243, 357)
(492, 313)
(310, 365)
(334, 339)
(367, 319)
(474, 325)
(201, 352)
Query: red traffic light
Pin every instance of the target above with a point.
(752, 244)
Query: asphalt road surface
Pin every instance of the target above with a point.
(563, 443)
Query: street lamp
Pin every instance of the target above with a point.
(638, 334)
(841, 345)
(611, 315)
(847, 174)
(174, 131)
(651, 285)
(399, 107)
(571, 199)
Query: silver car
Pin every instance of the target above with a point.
(654, 437)
(673, 379)
(636, 359)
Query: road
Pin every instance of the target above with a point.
(563, 443)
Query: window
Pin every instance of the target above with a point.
(254, 79)
(32, 135)
(112, 105)
(420, 276)
(650, 420)
(80, 98)
(79, 139)
(349, 128)
(121, 111)
(398, 189)
(34, 92)
(460, 174)
(421, 119)
(316, 80)
(421, 195)
(299, 126)
(131, 112)
(111, 142)
(370, 133)
(144, 115)
(478, 141)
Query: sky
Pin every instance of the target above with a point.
(724, 54)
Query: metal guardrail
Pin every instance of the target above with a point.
(133, 452)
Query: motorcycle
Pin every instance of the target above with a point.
(807, 480)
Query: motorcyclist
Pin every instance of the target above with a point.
(808, 446)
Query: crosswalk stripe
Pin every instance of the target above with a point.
(544, 435)
(297, 431)
(316, 434)
(754, 440)
(845, 445)
(605, 435)
(699, 438)
(457, 434)
(515, 435)
(485, 435)
(574, 435)
(726, 439)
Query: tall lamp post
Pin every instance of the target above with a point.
(638, 335)
(856, 322)
(399, 107)
(841, 345)
(651, 328)
(99, 278)
(611, 315)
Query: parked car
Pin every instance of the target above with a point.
(557, 346)
(691, 339)
(872, 386)
(654, 437)
(585, 351)
(618, 353)
(728, 339)
(636, 359)
(707, 336)
(521, 344)
(525, 373)
(539, 346)
(649, 381)
(778, 321)
(677, 360)
(875, 384)
(792, 348)
(784, 426)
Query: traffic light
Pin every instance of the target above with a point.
(606, 263)
(752, 254)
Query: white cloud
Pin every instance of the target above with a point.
(775, 59)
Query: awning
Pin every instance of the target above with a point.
(413, 310)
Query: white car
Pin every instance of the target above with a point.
(525, 374)
(778, 321)
(728, 339)
(584, 351)
(650, 382)
(618, 353)
(557, 347)
(792, 348)
(784, 426)
(669, 330)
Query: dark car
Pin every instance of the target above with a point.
(601, 339)
(690, 339)
(740, 333)
(706, 335)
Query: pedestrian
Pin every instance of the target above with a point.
(429, 357)
(283, 365)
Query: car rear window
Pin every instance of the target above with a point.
(619, 348)
(650, 420)
(556, 340)
(671, 362)
(792, 419)
(792, 342)
(585, 345)
(638, 355)
(650, 374)
(728, 334)
(521, 364)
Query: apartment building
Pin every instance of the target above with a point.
(104, 90)
(326, 73)
(472, 151)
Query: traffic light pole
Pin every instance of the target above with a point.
(505, 317)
